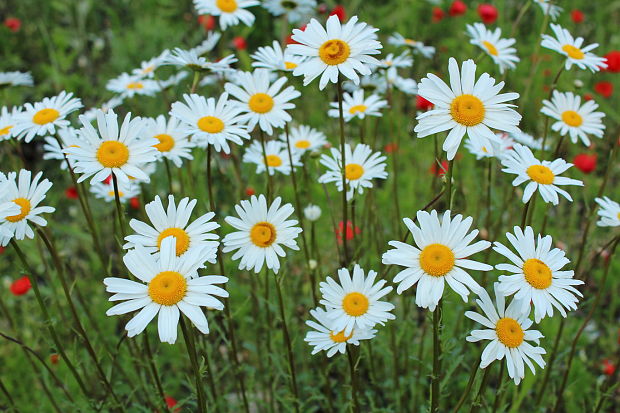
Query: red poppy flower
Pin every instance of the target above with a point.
(437, 170)
(457, 8)
(108, 180)
(577, 16)
(54, 358)
(423, 104)
(249, 191)
(613, 61)
(438, 14)
(240, 43)
(608, 368)
(207, 21)
(604, 89)
(487, 13)
(71, 193)
(171, 402)
(13, 24)
(340, 12)
(134, 203)
(585, 163)
(20, 286)
(350, 232)
(587, 97)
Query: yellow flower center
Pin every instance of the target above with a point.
(113, 154)
(45, 116)
(484, 149)
(573, 52)
(273, 160)
(490, 48)
(410, 42)
(572, 118)
(263, 234)
(5, 130)
(261, 103)
(537, 273)
(25, 206)
(340, 337)
(353, 171)
(509, 332)
(357, 108)
(120, 194)
(540, 174)
(148, 69)
(302, 144)
(135, 85)
(210, 124)
(227, 6)
(437, 260)
(467, 110)
(355, 304)
(290, 65)
(181, 237)
(167, 288)
(333, 52)
(166, 142)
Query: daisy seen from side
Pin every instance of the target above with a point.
(609, 212)
(573, 49)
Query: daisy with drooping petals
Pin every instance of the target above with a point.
(304, 138)
(564, 44)
(549, 9)
(174, 143)
(173, 222)
(609, 212)
(211, 122)
(440, 255)
(297, 11)
(52, 150)
(148, 67)
(399, 40)
(466, 107)
(355, 303)
(356, 106)
(274, 58)
(542, 176)
(230, 12)
(105, 191)
(192, 60)
(44, 117)
(275, 157)
(262, 102)
(335, 50)
(27, 194)
(323, 338)
(129, 86)
(536, 274)
(15, 79)
(362, 166)
(112, 151)
(500, 50)
(507, 329)
(261, 233)
(574, 119)
(7, 121)
(167, 289)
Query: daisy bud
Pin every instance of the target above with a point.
(578, 83)
(20, 286)
(577, 16)
(613, 61)
(585, 163)
(312, 212)
(457, 8)
(13, 24)
(487, 13)
(605, 89)
(312, 264)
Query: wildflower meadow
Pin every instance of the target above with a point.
(306, 206)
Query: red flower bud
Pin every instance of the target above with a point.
(134, 203)
(20, 286)
(13, 24)
(71, 193)
(438, 14)
(207, 22)
(487, 13)
(249, 191)
(577, 16)
(239, 43)
(457, 8)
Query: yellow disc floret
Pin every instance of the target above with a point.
(167, 288)
(355, 304)
(437, 260)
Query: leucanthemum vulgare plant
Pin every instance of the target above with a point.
(238, 215)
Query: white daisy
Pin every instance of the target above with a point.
(105, 191)
(564, 44)
(230, 12)
(52, 150)
(15, 79)
(507, 329)
(297, 11)
(148, 67)
(262, 102)
(211, 122)
(400, 61)
(549, 9)
(322, 338)
(167, 289)
(355, 303)
(191, 60)
(274, 58)
(407, 86)
(609, 212)
(573, 118)
(542, 176)
(27, 194)
(362, 166)
(398, 39)
(527, 140)
(207, 44)
(536, 274)
(312, 212)
(275, 156)
(261, 233)
(110, 151)
(129, 86)
(356, 106)
(44, 117)
(440, 255)
(500, 50)
(496, 150)
(8, 208)
(7, 121)
(334, 50)
(304, 138)
(466, 107)
(174, 143)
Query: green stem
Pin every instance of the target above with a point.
(345, 255)
(287, 340)
(499, 392)
(483, 384)
(119, 209)
(352, 369)
(188, 335)
(467, 390)
(436, 377)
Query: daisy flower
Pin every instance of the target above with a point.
(399, 40)
(275, 156)
(129, 86)
(207, 44)
(362, 166)
(297, 11)
(105, 191)
(304, 138)
(173, 222)
(466, 107)
(407, 86)
(261, 233)
(26, 193)
(323, 338)
(507, 329)
(274, 58)
(211, 122)
(52, 150)
(500, 50)
(536, 274)
(564, 44)
(230, 12)
(496, 150)
(401, 61)
(44, 117)
(262, 102)
(573, 118)
(440, 255)
(110, 151)
(191, 60)
(7, 121)
(8, 208)
(174, 143)
(356, 106)
(542, 176)
(549, 9)
(334, 50)
(166, 289)
(15, 79)
(355, 303)
(609, 212)
(148, 67)
(527, 140)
